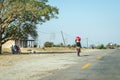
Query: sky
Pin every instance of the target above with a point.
(95, 21)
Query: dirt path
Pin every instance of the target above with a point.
(34, 66)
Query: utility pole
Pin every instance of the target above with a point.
(63, 38)
(87, 42)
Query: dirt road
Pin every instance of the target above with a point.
(35, 66)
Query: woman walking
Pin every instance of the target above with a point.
(78, 45)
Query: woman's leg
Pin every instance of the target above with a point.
(78, 51)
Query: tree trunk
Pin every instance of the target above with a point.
(0, 49)
(0, 41)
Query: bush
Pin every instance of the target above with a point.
(48, 44)
(100, 47)
(35, 46)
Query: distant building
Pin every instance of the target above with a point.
(21, 43)
(8, 44)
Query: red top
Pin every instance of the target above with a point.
(78, 38)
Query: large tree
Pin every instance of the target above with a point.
(18, 18)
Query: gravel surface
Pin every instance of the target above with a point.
(35, 66)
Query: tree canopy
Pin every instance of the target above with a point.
(18, 18)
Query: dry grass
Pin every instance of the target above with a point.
(53, 49)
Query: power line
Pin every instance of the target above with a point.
(48, 32)
(69, 35)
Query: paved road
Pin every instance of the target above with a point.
(96, 67)
(107, 68)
